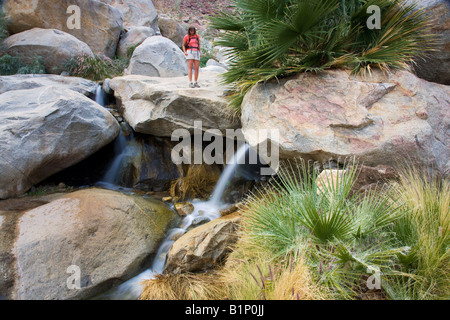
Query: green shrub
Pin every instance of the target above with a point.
(96, 68)
(401, 233)
(271, 38)
(426, 229)
(206, 55)
(10, 65)
(3, 30)
(342, 236)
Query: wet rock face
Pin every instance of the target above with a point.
(82, 232)
(204, 247)
(153, 166)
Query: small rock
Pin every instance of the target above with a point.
(184, 208)
(422, 114)
(229, 210)
(167, 199)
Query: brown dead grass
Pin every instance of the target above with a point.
(203, 286)
(199, 182)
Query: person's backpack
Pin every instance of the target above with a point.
(189, 42)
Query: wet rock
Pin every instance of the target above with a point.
(85, 231)
(184, 208)
(205, 247)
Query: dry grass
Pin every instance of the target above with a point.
(204, 286)
(251, 274)
(199, 182)
(426, 228)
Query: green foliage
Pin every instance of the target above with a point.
(10, 65)
(426, 229)
(206, 55)
(268, 39)
(342, 235)
(3, 30)
(402, 232)
(96, 68)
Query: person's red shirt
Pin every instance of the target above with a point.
(191, 42)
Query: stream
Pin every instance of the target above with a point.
(203, 210)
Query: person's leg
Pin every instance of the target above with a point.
(197, 68)
(190, 65)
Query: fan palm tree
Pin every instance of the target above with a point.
(268, 39)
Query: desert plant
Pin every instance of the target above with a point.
(182, 287)
(343, 235)
(3, 29)
(14, 65)
(253, 274)
(198, 182)
(270, 39)
(206, 55)
(96, 68)
(426, 229)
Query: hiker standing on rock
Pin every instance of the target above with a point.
(191, 48)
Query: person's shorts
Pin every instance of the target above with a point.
(193, 55)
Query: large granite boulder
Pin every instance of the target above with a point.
(32, 81)
(55, 47)
(158, 106)
(100, 24)
(158, 57)
(379, 119)
(133, 38)
(172, 29)
(81, 244)
(136, 13)
(45, 130)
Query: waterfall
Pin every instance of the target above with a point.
(124, 151)
(100, 96)
(228, 173)
(208, 210)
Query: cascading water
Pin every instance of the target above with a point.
(228, 173)
(209, 210)
(124, 152)
(100, 96)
